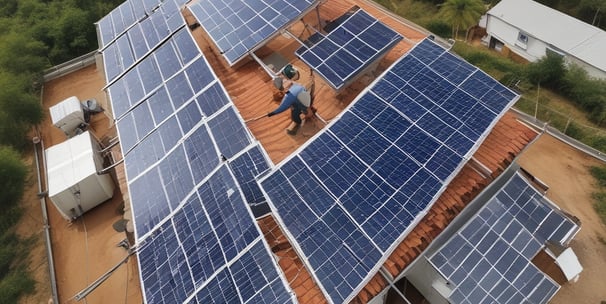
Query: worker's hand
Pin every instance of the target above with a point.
(270, 114)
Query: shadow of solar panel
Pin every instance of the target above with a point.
(349, 48)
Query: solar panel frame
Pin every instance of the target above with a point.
(347, 50)
(332, 163)
(243, 26)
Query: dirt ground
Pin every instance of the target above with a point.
(566, 171)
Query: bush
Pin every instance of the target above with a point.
(548, 71)
(14, 285)
(599, 173)
(439, 28)
(13, 173)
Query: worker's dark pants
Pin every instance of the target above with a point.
(295, 113)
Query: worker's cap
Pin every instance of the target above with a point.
(289, 71)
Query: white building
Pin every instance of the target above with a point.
(531, 29)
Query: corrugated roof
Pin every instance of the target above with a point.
(571, 35)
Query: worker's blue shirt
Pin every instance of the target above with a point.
(289, 99)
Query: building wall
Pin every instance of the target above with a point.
(591, 70)
(424, 276)
(532, 50)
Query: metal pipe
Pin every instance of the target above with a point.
(47, 238)
(106, 170)
(264, 66)
(110, 146)
(90, 288)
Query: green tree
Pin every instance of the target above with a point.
(13, 173)
(461, 14)
(19, 108)
(547, 71)
(21, 53)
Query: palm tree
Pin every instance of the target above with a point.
(461, 13)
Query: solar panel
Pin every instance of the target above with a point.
(354, 191)
(349, 48)
(238, 27)
(176, 67)
(139, 39)
(190, 165)
(130, 12)
(210, 251)
(488, 259)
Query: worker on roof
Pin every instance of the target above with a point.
(297, 97)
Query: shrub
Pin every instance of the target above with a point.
(13, 173)
(548, 71)
(14, 285)
(439, 28)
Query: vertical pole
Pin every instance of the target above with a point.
(567, 124)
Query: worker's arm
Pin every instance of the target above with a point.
(289, 98)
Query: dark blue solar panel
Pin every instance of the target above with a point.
(507, 247)
(128, 49)
(349, 48)
(201, 153)
(212, 99)
(198, 240)
(229, 132)
(381, 164)
(246, 167)
(210, 250)
(239, 27)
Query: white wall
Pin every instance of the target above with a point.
(504, 32)
(421, 275)
(592, 71)
(535, 49)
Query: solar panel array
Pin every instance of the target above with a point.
(488, 259)
(139, 38)
(354, 191)
(130, 12)
(349, 48)
(238, 26)
(191, 166)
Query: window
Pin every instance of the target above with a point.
(522, 40)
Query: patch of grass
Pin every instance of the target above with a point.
(599, 197)
(17, 283)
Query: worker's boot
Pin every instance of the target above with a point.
(293, 128)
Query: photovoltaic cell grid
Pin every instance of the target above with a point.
(238, 27)
(130, 12)
(210, 251)
(352, 193)
(349, 48)
(175, 67)
(139, 39)
(488, 260)
(198, 242)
